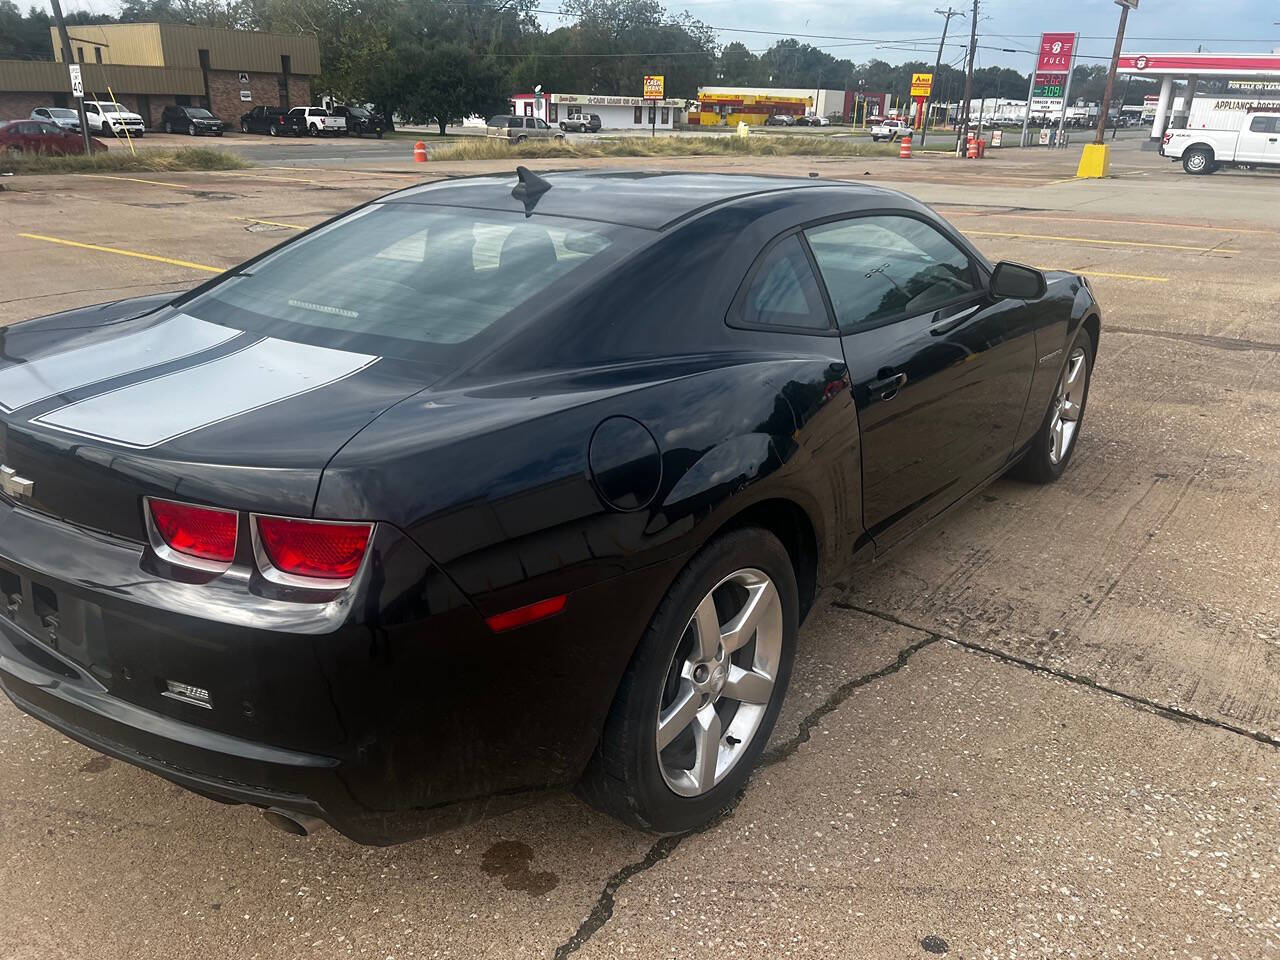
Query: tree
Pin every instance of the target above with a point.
(739, 67)
(442, 83)
(354, 38)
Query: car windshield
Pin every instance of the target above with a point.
(358, 112)
(62, 114)
(113, 107)
(409, 280)
(200, 112)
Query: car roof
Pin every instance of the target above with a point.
(652, 200)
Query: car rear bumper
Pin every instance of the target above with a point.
(397, 715)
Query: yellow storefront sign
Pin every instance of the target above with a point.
(654, 87)
(921, 84)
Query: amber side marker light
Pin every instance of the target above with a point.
(521, 616)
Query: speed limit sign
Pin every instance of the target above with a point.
(77, 83)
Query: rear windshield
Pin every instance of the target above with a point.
(411, 280)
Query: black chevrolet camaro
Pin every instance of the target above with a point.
(503, 485)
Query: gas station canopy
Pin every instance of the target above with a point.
(1190, 67)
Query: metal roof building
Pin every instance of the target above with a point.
(150, 65)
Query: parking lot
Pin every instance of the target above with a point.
(1047, 726)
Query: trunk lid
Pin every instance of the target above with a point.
(99, 408)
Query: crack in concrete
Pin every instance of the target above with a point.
(602, 912)
(1177, 714)
(1199, 339)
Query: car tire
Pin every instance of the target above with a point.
(1197, 161)
(168, 127)
(313, 130)
(244, 127)
(521, 139)
(379, 134)
(191, 130)
(274, 130)
(559, 136)
(648, 787)
(1044, 462)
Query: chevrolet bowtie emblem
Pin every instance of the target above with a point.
(14, 485)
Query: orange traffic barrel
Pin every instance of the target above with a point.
(973, 148)
(904, 150)
(420, 152)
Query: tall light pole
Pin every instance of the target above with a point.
(946, 14)
(968, 74)
(1105, 108)
(67, 61)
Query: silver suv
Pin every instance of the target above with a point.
(519, 129)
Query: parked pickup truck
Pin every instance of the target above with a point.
(1255, 144)
(315, 121)
(889, 130)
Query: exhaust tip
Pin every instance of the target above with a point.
(294, 824)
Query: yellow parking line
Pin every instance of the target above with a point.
(272, 223)
(1106, 243)
(154, 183)
(1120, 276)
(123, 253)
(1141, 223)
(264, 176)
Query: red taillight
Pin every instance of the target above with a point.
(206, 533)
(317, 549)
(523, 615)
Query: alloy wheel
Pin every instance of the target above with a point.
(720, 681)
(1068, 404)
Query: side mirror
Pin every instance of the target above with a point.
(1013, 281)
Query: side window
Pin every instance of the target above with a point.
(542, 124)
(878, 268)
(784, 291)
(1262, 125)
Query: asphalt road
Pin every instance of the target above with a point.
(1047, 726)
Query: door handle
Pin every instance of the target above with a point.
(953, 321)
(887, 388)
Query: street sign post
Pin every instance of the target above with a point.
(654, 90)
(921, 88)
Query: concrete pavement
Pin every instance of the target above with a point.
(1046, 726)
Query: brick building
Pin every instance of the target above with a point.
(151, 65)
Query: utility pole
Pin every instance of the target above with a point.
(67, 61)
(1105, 107)
(968, 76)
(946, 14)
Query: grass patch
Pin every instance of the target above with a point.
(120, 160)
(486, 148)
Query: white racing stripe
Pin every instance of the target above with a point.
(154, 411)
(182, 336)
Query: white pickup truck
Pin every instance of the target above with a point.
(889, 130)
(1255, 144)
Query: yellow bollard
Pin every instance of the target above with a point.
(1095, 162)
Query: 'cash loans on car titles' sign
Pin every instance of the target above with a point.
(921, 84)
(654, 87)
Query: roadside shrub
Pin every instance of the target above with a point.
(477, 148)
(120, 160)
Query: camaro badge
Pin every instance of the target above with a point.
(14, 485)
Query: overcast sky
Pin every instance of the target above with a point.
(1157, 25)
(909, 29)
